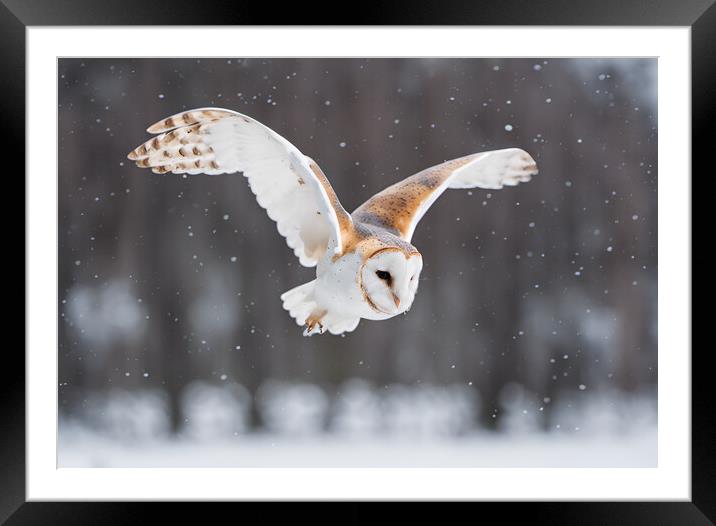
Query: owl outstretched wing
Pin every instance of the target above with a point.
(399, 207)
(290, 186)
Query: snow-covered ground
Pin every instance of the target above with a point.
(79, 447)
(400, 426)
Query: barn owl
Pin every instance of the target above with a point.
(366, 266)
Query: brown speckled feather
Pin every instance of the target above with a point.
(188, 118)
(399, 207)
(291, 187)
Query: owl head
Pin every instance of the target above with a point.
(389, 280)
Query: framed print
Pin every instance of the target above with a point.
(421, 262)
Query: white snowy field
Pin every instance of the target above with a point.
(81, 448)
(425, 426)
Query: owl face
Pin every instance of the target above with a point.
(389, 280)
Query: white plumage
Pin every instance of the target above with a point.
(366, 266)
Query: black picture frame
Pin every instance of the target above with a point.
(700, 15)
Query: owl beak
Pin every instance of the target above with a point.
(396, 299)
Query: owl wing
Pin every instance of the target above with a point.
(398, 208)
(290, 186)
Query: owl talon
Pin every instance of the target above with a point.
(312, 329)
(313, 326)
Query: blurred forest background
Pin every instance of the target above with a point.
(536, 310)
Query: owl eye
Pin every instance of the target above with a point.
(382, 274)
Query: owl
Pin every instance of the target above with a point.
(366, 266)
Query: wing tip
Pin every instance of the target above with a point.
(157, 127)
(189, 117)
(166, 124)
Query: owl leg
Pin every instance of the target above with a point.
(313, 323)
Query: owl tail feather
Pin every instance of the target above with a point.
(300, 302)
